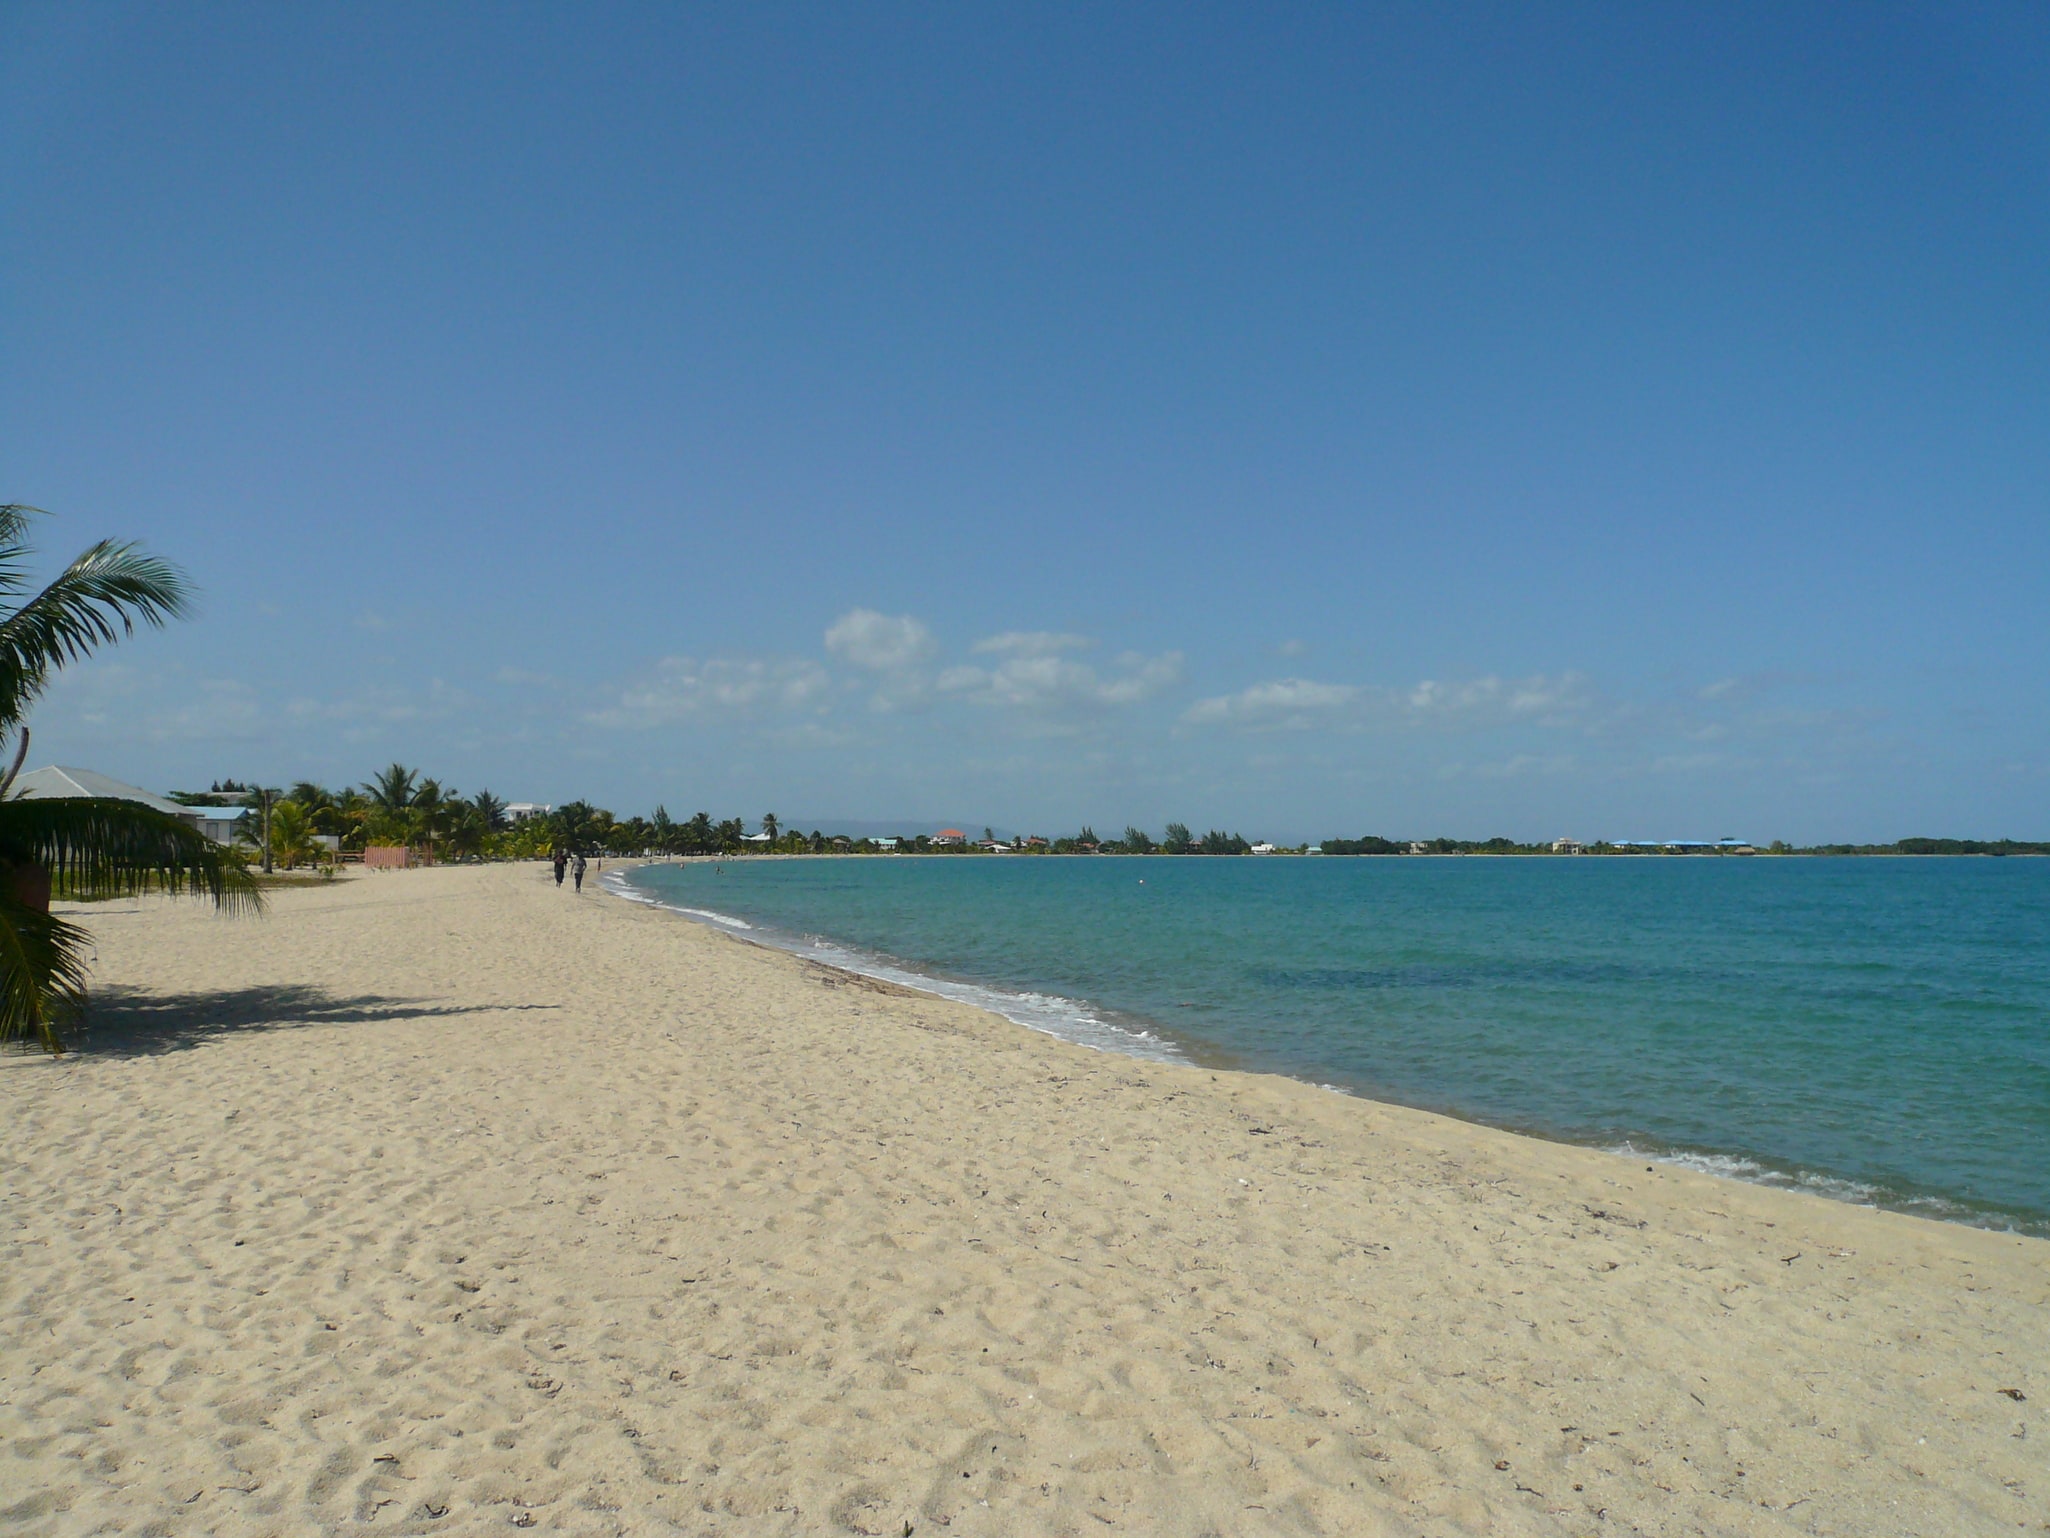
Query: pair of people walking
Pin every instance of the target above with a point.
(564, 861)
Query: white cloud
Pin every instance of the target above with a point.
(1496, 697)
(1294, 702)
(684, 688)
(1300, 703)
(883, 642)
(1034, 643)
(1052, 683)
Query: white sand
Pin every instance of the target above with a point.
(445, 1201)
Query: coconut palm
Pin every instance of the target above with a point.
(291, 834)
(86, 846)
(390, 794)
(491, 810)
(430, 811)
(392, 789)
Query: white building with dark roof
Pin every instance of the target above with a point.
(61, 782)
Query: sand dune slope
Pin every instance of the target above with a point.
(446, 1201)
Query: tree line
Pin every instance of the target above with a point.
(309, 823)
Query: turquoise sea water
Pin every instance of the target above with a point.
(1877, 1029)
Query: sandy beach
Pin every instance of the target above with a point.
(447, 1201)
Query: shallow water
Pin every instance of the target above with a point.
(1878, 1029)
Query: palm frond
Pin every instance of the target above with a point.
(42, 974)
(14, 517)
(100, 597)
(101, 848)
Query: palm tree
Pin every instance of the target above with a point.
(392, 789)
(769, 826)
(577, 828)
(291, 834)
(86, 846)
(490, 809)
(390, 794)
(430, 809)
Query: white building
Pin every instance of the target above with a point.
(55, 782)
(1261, 849)
(517, 812)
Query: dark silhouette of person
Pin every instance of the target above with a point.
(580, 873)
(561, 865)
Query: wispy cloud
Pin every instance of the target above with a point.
(1047, 683)
(881, 642)
(1283, 703)
(685, 688)
(1302, 703)
(1034, 643)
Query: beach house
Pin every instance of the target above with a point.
(59, 781)
(949, 838)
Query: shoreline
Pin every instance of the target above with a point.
(1148, 1040)
(451, 1195)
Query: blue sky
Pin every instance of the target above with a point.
(1626, 421)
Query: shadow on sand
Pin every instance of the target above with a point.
(134, 1022)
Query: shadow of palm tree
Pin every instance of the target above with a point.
(134, 1022)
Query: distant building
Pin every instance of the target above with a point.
(58, 782)
(517, 812)
(1418, 846)
(884, 843)
(949, 838)
(997, 846)
(1261, 849)
(1568, 846)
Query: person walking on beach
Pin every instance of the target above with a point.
(561, 865)
(580, 873)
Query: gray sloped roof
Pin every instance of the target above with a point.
(55, 780)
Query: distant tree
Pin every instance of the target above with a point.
(392, 789)
(769, 826)
(1087, 836)
(291, 835)
(699, 837)
(310, 796)
(431, 812)
(1137, 842)
(1177, 840)
(490, 810)
(577, 827)
(467, 829)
